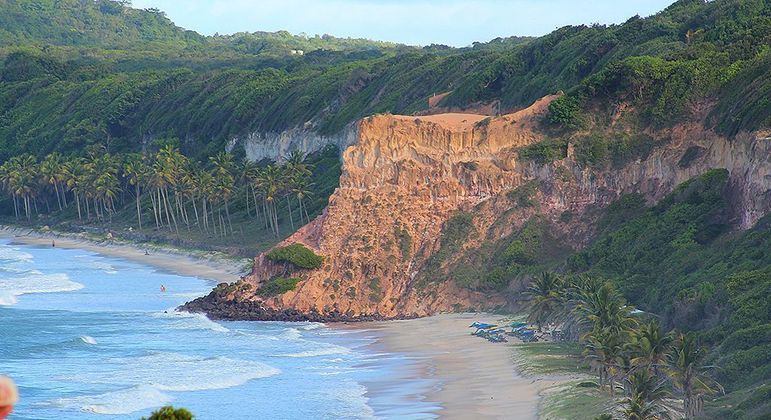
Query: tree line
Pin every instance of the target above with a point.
(167, 187)
(630, 352)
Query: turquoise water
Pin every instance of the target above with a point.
(89, 336)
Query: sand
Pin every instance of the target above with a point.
(476, 378)
(206, 265)
(452, 121)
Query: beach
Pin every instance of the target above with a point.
(473, 377)
(206, 265)
(462, 376)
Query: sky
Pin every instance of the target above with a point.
(416, 22)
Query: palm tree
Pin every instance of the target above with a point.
(135, 171)
(223, 171)
(605, 308)
(545, 292)
(604, 348)
(298, 181)
(688, 374)
(649, 347)
(71, 176)
(647, 396)
(639, 409)
(51, 171)
(269, 183)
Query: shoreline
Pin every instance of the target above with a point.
(460, 375)
(206, 265)
(471, 377)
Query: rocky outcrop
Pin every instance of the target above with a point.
(277, 145)
(405, 176)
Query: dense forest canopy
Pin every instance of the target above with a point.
(75, 73)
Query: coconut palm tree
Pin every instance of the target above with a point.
(72, 171)
(647, 396)
(224, 167)
(269, 183)
(51, 171)
(603, 349)
(605, 308)
(545, 292)
(135, 171)
(688, 374)
(649, 347)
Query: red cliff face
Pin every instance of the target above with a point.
(406, 176)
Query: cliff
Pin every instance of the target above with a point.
(404, 177)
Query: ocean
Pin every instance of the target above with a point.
(87, 336)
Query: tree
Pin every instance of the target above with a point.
(649, 347)
(545, 297)
(135, 171)
(170, 413)
(688, 374)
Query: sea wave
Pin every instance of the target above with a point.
(190, 321)
(177, 372)
(291, 334)
(88, 339)
(124, 401)
(34, 282)
(103, 266)
(326, 350)
(9, 254)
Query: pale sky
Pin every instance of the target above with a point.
(417, 22)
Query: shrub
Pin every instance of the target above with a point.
(297, 255)
(170, 413)
(565, 112)
(545, 151)
(278, 286)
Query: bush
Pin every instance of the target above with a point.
(545, 151)
(278, 286)
(565, 112)
(170, 413)
(297, 255)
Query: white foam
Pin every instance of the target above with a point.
(291, 334)
(190, 321)
(178, 372)
(103, 266)
(34, 282)
(327, 350)
(14, 255)
(312, 326)
(88, 339)
(125, 401)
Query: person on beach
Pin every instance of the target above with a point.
(9, 395)
(53, 244)
(163, 289)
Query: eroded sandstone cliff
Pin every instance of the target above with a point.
(405, 176)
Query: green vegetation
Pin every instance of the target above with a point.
(679, 260)
(130, 75)
(278, 286)
(168, 196)
(522, 196)
(628, 353)
(170, 413)
(545, 151)
(297, 255)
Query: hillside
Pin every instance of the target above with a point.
(133, 76)
(410, 181)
